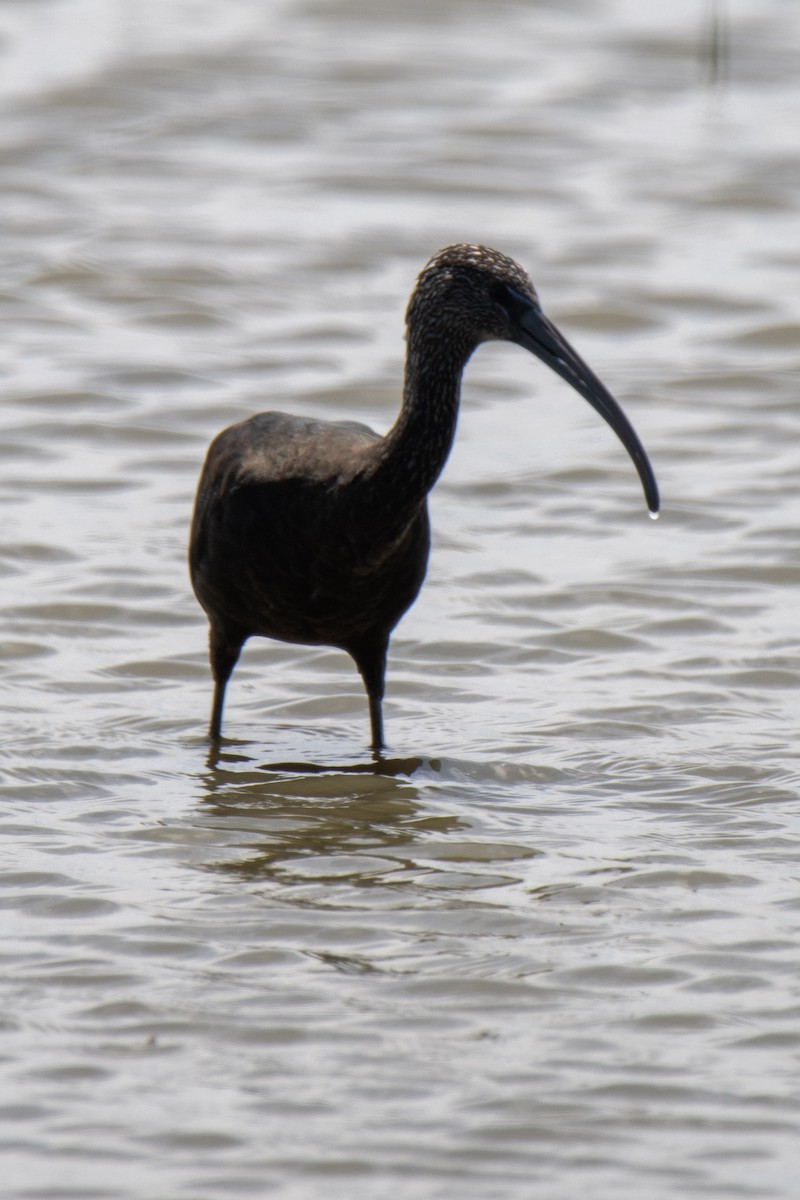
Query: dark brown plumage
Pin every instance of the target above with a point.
(316, 532)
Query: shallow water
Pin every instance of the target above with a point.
(550, 945)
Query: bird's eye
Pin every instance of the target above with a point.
(514, 303)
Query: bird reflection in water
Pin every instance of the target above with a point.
(360, 824)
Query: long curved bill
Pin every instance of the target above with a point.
(539, 335)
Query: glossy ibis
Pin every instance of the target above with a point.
(316, 532)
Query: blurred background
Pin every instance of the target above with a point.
(550, 945)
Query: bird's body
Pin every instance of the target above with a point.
(280, 547)
(316, 532)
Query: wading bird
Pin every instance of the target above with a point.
(316, 532)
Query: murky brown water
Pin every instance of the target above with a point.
(552, 946)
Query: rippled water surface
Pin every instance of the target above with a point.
(551, 945)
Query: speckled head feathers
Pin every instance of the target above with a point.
(480, 259)
(454, 289)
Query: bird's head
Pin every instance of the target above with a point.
(472, 294)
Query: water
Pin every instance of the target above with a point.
(550, 947)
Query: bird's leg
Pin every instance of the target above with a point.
(223, 652)
(371, 663)
(376, 720)
(215, 724)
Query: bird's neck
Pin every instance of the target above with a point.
(415, 449)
